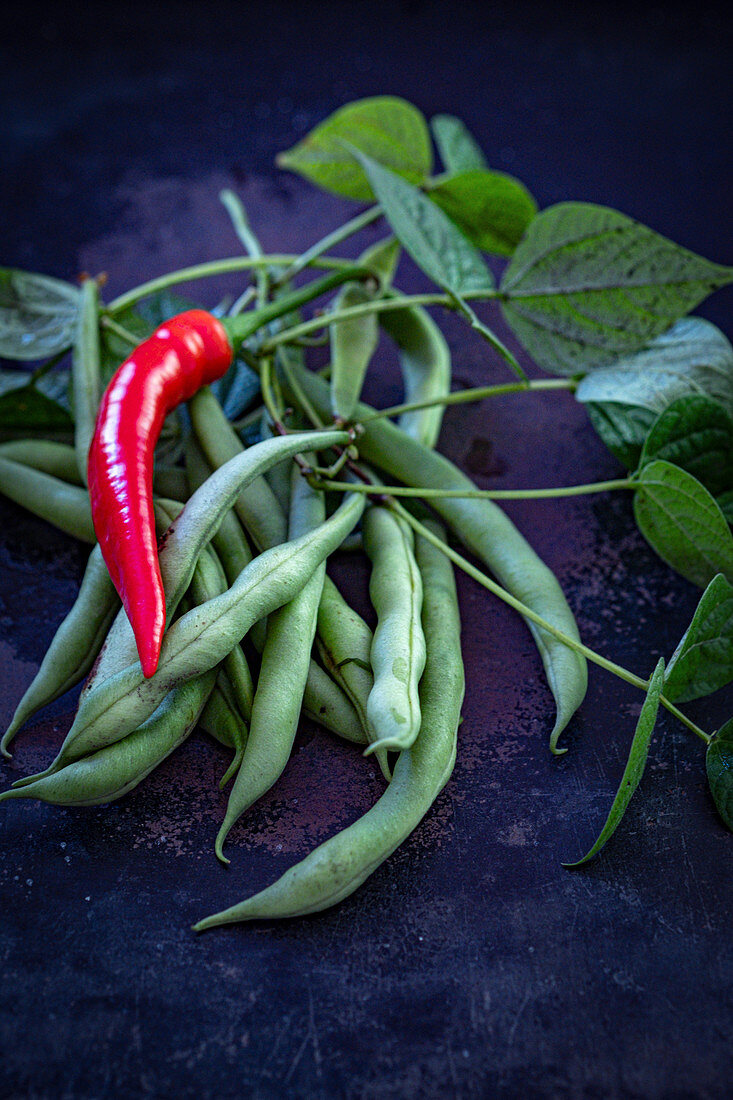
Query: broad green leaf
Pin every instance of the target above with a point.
(433, 241)
(623, 428)
(703, 660)
(634, 766)
(719, 766)
(354, 342)
(691, 358)
(37, 315)
(588, 284)
(695, 433)
(725, 500)
(458, 149)
(389, 130)
(26, 409)
(492, 209)
(683, 523)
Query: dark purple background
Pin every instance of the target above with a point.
(470, 964)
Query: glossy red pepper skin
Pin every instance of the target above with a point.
(183, 354)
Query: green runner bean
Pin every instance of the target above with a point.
(202, 638)
(484, 528)
(86, 379)
(65, 506)
(426, 368)
(283, 674)
(111, 772)
(74, 647)
(56, 459)
(336, 868)
(398, 646)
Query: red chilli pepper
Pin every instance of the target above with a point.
(183, 354)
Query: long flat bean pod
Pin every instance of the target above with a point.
(86, 378)
(256, 505)
(65, 506)
(344, 639)
(222, 721)
(202, 638)
(74, 647)
(487, 532)
(283, 674)
(335, 869)
(111, 772)
(398, 645)
(56, 459)
(425, 363)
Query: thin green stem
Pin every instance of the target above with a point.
(216, 267)
(528, 613)
(490, 336)
(44, 368)
(121, 331)
(348, 229)
(297, 390)
(268, 395)
(484, 494)
(250, 243)
(379, 305)
(477, 393)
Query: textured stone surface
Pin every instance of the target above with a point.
(470, 964)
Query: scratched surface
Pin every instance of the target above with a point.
(470, 964)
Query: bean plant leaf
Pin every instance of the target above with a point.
(237, 390)
(683, 523)
(725, 500)
(492, 209)
(37, 315)
(695, 433)
(719, 766)
(458, 149)
(588, 284)
(703, 660)
(431, 238)
(691, 358)
(634, 766)
(623, 428)
(26, 409)
(388, 129)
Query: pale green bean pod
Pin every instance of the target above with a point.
(222, 721)
(65, 506)
(398, 645)
(86, 380)
(74, 647)
(283, 674)
(204, 636)
(111, 772)
(335, 869)
(485, 529)
(425, 363)
(56, 459)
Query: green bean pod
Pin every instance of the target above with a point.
(56, 459)
(222, 721)
(170, 482)
(336, 868)
(203, 637)
(283, 674)
(344, 642)
(488, 533)
(398, 645)
(256, 505)
(325, 703)
(207, 583)
(65, 506)
(354, 342)
(340, 630)
(86, 380)
(425, 363)
(74, 647)
(111, 772)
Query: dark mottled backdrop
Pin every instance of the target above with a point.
(470, 964)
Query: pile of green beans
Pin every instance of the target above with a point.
(258, 635)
